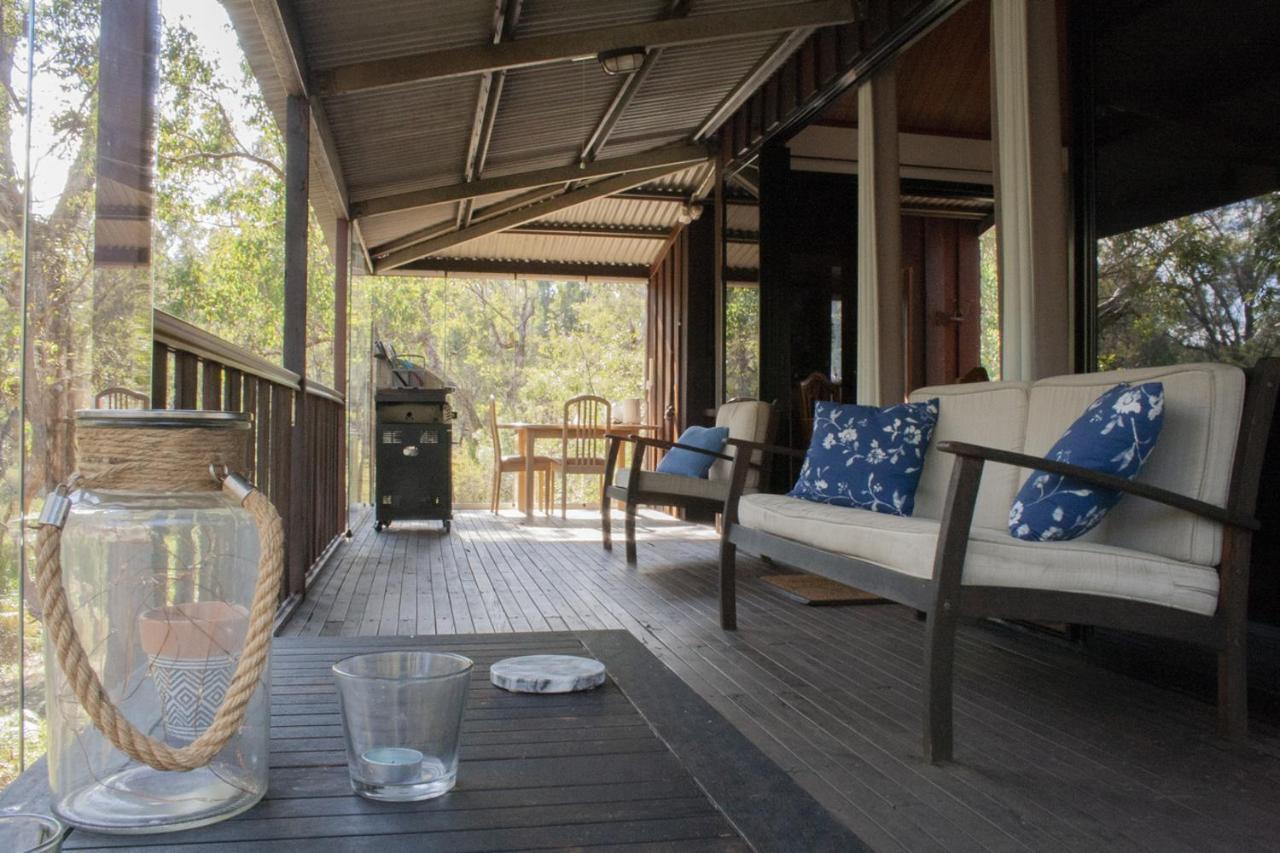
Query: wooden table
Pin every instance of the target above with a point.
(642, 761)
(527, 435)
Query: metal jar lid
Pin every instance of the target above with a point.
(162, 419)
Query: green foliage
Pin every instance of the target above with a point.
(528, 346)
(741, 342)
(989, 303)
(1200, 288)
(219, 215)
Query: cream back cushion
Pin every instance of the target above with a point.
(991, 414)
(747, 420)
(1193, 456)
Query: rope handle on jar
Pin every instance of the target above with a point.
(88, 688)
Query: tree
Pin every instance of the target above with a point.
(1200, 288)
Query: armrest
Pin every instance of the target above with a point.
(766, 449)
(1097, 478)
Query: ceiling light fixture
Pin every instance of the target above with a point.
(621, 61)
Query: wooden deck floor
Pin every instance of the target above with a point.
(1051, 752)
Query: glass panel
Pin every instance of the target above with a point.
(1197, 288)
(220, 185)
(527, 345)
(837, 324)
(741, 341)
(989, 302)
(18, 638)
(320, 275)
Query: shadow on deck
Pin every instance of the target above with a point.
(1051, 751)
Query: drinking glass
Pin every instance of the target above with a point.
(30, 833)
(401, 716)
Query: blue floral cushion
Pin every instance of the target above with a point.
(1115, 435)
(687, 463)
(865, 457)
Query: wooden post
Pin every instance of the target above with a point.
(341, 325)
(775, 281)
(296, 222)
(697, 328)
(881, 351)
(1031, 191)
(718, 272)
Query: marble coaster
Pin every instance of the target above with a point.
(547, 674)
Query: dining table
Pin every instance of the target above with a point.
(527, 437)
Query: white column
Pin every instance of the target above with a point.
(1031, 191)
(881, 357)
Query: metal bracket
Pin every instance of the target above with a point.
(56, 508)
(233, 484)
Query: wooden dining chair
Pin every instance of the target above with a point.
(120, 398)
(542, 467)
(816, 387)
(587, 418)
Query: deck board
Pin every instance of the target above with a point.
(1052, 753)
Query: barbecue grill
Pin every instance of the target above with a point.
(413, 476)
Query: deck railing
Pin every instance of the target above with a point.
(193, 369)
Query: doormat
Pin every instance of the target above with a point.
(817, 591)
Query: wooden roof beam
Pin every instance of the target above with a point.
(600, 189)
(495, 209)
(284, 41)
(670, 156)
(506, 15)
(584, 44)
(627, 92)
(462, 267)
(755, 78)
(573, 229)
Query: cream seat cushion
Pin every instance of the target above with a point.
(746, 420)
(674, 484)
(991, 414)
(994, 558)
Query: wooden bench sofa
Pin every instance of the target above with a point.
(1171, 559)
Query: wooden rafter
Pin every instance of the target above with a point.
(506, 15)
(585, 44)
(759, 73)
(548, 269)
(284, 41)
(496, 209)
(599, 189)
(626, 92)
(573, 229)
(671, 156)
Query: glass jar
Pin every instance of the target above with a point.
(159, 585)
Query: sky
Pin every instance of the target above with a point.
(207, 18)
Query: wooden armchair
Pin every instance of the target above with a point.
(749, 420)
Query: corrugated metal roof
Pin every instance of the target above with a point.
(686, 84)
(403, 138)
(416, 135)
(546, 115)
(336, 32)
(544, 17)
(540, 247)
(618, 211)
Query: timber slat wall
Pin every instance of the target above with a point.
(681, 330)
(194, 370)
